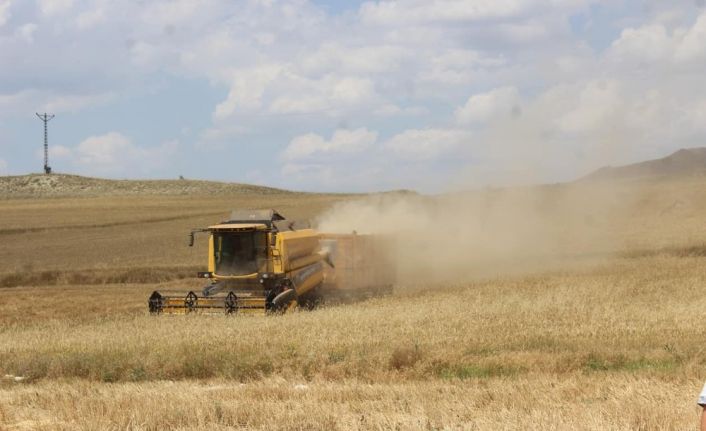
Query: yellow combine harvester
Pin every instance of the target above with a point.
(259, 262)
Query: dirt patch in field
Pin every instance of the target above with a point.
(97, 276)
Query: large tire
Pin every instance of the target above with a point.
(311, 300)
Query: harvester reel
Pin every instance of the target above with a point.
(190, 301)
(155, 303)
(231, 303)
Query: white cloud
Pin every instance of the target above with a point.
(654, 44)
(441, 12)
(342, 176)
(517, 79)
(105, 151)
(456, 67)
(90, 18)
(57, 151)
(53, 7)
(392, 12)
(5, 11)
(115, 154)
(524, 33)
(265, 39)
(323, 173)
(693, 45)
(342, 142)
(648, 43)
(216, 138)
(74, 102)
(484, 107)
(594, 107)
(427, 144)
(360, 60)
(26, 32)
(302, 104)
(694, 120)
(247, 89)
(3, 167)
(331, 94)
(390, 109)
(21, 100)
(454, 60)
(352, 91)
(175, 12)
(34, 101)
(148, 56)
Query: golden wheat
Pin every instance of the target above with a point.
(609, 340)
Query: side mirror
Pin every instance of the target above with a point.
(192, 233)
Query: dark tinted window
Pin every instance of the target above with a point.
(239, 253)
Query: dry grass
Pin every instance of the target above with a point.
(613, 342)
(629, 317)
(615, 347)
(535, 402)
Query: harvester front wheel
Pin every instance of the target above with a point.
(282, 302)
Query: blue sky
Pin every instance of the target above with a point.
(432, 95)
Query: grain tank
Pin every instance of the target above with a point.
(361, 265)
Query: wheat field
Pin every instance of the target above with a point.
(603, 340)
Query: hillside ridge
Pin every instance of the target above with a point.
(683, 162)
(63, 185)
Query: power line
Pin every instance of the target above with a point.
(45, 118)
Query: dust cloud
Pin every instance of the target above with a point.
(490, 232)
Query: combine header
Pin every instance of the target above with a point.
(259, 262)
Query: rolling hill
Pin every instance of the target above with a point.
(682, 163)
(62, 185)
(685, 162)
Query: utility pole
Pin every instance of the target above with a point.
(45, 118)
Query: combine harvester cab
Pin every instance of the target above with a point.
(257, 263)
